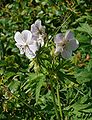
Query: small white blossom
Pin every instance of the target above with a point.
(66, 44)
(38, 32)
(25, 43)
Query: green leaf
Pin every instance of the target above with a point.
(85, 27)
(14, 85)
(2, 63)
(89, 66)
(39, 85)
(88, 110)
(1, 72)
(89, 118)
(8, 75)
(83, 77)
(81, 19)
(79, 107)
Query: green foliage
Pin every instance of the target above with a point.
(26, 87)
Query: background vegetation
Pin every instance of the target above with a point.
(25, 94)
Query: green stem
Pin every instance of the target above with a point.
(53, 96)
(59, 104)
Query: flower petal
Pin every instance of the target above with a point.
(73, 44)
(21, 48)
(34, 29)
(33, 47)
(27, 35)
(66, 54)
(69, 35)
(29, 53)
(58, 38)
(40, 41)
(38, 24)
(34, 37)
(19, 38)
(58, 48)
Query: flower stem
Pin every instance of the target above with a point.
(53, 96)
(59, 104)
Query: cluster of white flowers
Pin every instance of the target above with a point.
(29, 42)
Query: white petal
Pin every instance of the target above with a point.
(34, 29)
(37, 29)
(29, 53)
(40, 41)
(38, 24)
(66, 54)
(19, 38)
(69, 35)
(33, 47)
(41, 29)
(35, 37)
(27, 35)
(58, 48)
(58, 38)
(73, 45)
(21, 48)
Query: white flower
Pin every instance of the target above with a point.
(25, 43)
(65, 44)
(38, 32)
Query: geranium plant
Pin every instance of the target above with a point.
(29, 42)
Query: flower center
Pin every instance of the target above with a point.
(63, 43)
(26, 44)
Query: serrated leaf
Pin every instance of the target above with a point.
(84, 99)
(84, 27)
(83, 77)
(88, 17)
(32, 82)
(38, 86)
(78, 107)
